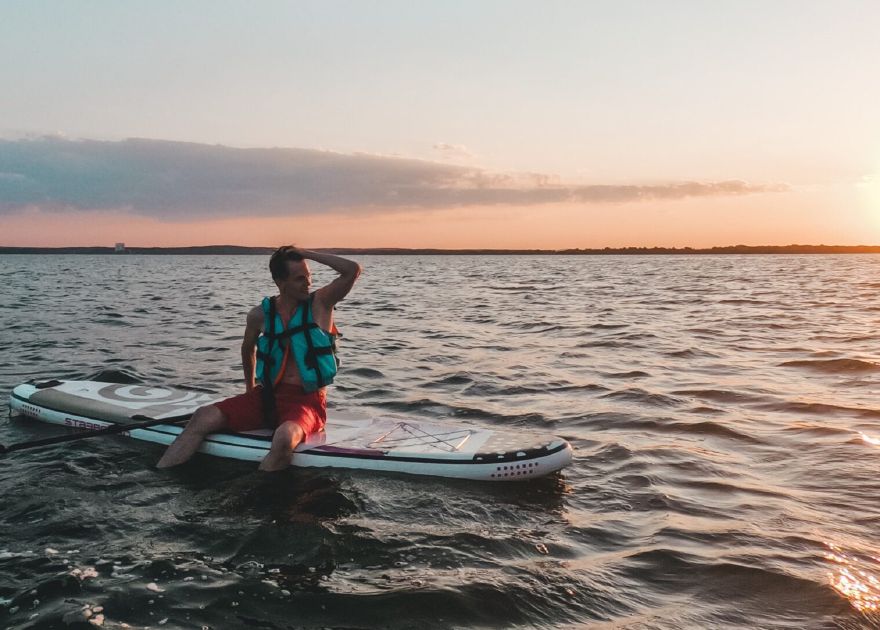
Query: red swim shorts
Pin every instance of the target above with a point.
(245, 411)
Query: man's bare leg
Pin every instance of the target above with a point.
(286, 438)
(205, 420)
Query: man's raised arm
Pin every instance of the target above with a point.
(348, 272)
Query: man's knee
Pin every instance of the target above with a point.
(207, 419)
(289, 433)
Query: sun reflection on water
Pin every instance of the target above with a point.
(869, 439)
(856, 579)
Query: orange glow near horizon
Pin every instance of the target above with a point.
(769, 219)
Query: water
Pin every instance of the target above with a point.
(723, 412)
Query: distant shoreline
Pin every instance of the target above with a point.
(393, 251)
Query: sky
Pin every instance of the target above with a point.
(453, 124)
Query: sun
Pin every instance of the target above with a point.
(868, 194)
(870, 187)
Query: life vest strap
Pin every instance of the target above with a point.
(290, 332)
(311, 358)
(270, 412)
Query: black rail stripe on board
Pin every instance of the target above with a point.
(216, 441)
(435, 460)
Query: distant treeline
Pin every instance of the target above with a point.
(394, 251)
(152, 251)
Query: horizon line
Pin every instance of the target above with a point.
(630, 249)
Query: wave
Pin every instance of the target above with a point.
(487, 389)
(548, 329)
(627, 375)
(706, 411)
(727, 488)
(691, 353)
(220, 349)
(862, 338)
(379, 393)
(834, 366)
(711, 332)
(819, 430)
(704, 428)
(112, 321)
(460, 378)
(718, 395)
(365, 373)
(513, 289)
(531, 326)
(676, 571)
(643, 397)
(821, 409)
(608, 343)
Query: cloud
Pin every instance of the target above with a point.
(453, 151)
(177, 180)
(869, 180)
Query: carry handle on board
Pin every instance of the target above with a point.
(111, 430)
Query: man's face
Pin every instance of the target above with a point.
(298, 281)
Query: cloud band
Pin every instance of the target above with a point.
(173, 180)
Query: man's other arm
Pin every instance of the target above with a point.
(249, 345)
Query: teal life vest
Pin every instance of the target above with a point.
(313, 349)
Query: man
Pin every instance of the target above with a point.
(288, 355)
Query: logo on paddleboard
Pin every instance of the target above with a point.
(156, 402)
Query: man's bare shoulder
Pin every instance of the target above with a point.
(255, 316)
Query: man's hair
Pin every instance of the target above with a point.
(278, 261)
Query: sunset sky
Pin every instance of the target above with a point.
(447, 124)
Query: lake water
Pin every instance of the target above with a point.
(723, 412)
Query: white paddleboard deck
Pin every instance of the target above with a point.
(383, 444)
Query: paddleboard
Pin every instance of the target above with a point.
(389, 444)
